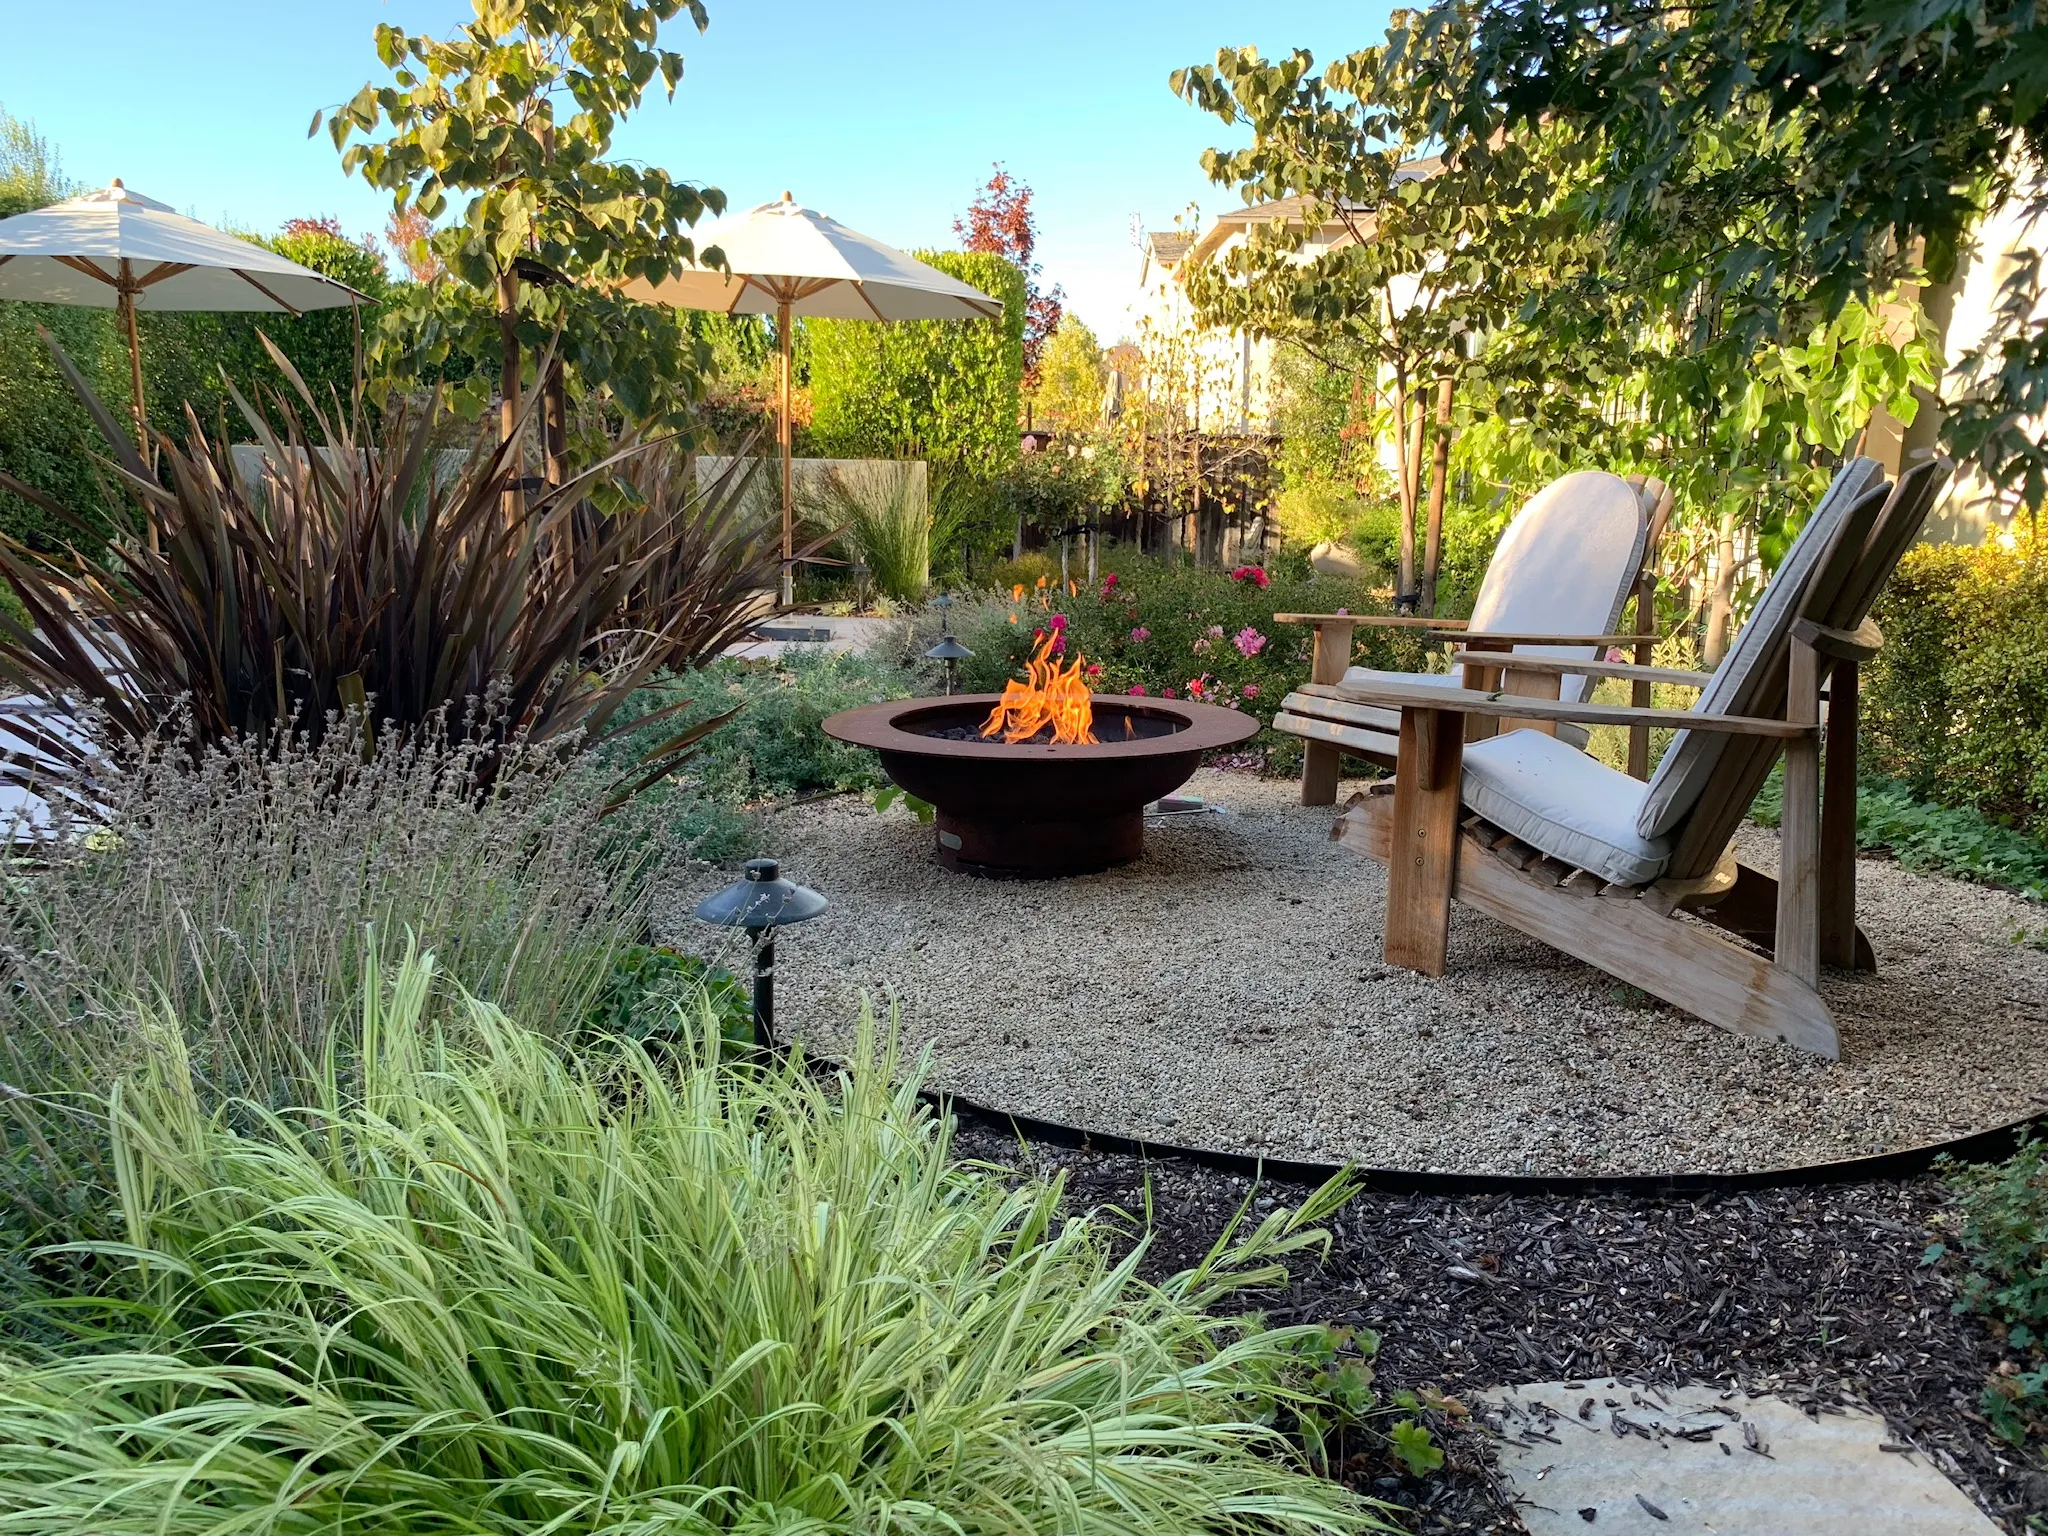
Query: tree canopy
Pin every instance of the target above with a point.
(1872, 138)
(507, 124)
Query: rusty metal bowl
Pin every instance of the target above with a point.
(1039, 809)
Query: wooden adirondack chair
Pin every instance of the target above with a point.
(1602, 866)
(1556, 586)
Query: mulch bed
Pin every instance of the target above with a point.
(1818, 1295)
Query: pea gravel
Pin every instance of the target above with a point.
(1226, 992)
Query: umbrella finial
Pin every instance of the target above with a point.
(114, 184)
(786, 197)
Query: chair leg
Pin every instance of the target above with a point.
(1423, 867)
(1798, 938)
(1838, 822)
(1319, 761)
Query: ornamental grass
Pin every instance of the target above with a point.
(474, 1284)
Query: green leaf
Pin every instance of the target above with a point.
(1416, 1448)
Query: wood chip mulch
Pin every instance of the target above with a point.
(1818, 1295)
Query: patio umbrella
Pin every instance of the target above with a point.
(119, 250)
(787, 261)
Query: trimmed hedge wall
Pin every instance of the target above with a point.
(1956, 704)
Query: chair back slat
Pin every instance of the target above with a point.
(1757, 653)
(1896, 532)
(1845, 583)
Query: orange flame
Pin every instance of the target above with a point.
(1050, 695)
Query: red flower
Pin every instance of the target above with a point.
(1136, 690)
(1059, 623)
(1254, 574)
(1168, 693)
(1093, 669)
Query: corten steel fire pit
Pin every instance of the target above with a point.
(1040, 808)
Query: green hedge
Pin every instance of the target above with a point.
(941, 390)
(1956, 704)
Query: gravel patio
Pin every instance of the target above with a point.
(1226, 992)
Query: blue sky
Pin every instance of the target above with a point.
(884, 116)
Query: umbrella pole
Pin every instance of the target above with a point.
(127, 307)
(783, 435)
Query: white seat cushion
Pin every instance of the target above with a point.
(1573, 807)
(1689, 761)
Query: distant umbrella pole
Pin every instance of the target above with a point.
(782, 441)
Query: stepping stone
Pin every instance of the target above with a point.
(1603, 1458)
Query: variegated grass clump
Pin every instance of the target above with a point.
(484, 1287)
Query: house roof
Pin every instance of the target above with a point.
(1293, 210)
(1168, 248)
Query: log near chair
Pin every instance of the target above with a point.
(1602, 866)
(1558, 581)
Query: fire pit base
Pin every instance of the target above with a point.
(1039, 849)
(1035, 809)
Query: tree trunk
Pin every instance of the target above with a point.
(1017, 543)
(508, 386)
(1403, 459)
(1439, 478)
(555, 408)
(1721, 606)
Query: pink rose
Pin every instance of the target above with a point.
(1137, 690)
(1249, 641)
(1168, 693)
(1140, 635)
(1251, 690)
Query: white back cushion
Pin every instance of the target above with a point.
(1689, 761)
(1566, 566)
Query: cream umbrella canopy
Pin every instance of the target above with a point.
(791, 262)
(118, 250)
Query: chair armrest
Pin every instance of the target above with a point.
(1858, 644)
(1373, 620)
(1565, 666)
(1334, 698)
(1505, 638)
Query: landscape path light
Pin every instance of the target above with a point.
(760, 904)
(948, 650)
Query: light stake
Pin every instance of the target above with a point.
(760, 904)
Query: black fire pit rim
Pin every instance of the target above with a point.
(1208, 727)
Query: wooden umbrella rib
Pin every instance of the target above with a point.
(861, 288)
(90, 268)
(280, 303)
(162, 270)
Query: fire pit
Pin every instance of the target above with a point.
(1040, 808)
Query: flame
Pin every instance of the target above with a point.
(1050, 695)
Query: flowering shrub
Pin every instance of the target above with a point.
(1161, 630)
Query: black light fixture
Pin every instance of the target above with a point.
(948, 650)
(760, 904)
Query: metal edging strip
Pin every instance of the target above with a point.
(1907, 1162)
